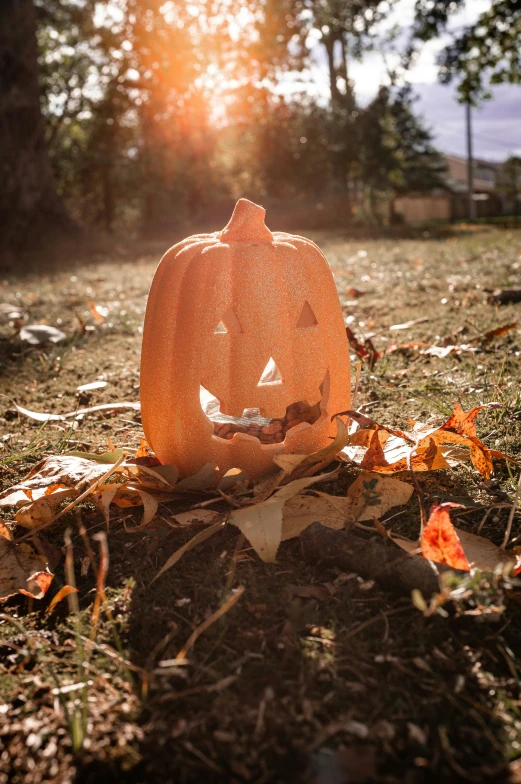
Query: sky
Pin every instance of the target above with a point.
(496, 123)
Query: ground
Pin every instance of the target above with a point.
(313, 675)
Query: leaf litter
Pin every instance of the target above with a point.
(281, 505)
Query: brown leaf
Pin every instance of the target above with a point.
(317, 461)
(43, 509)
(481, 553)
(64, 591)
(21, 570)
(463, 422)
(372, 495)
(369, 495)
(262, 523)
(365, 350)
(498, 331)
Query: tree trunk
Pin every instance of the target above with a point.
(329, 43)
(29, 204)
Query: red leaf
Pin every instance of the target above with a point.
(440, 541)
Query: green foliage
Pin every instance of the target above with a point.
(487, 52)
(157, 113)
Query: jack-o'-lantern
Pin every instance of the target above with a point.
(245, 354)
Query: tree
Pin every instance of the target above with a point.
(397, 155)
(29, 204)
(486, 52)
(509, 184)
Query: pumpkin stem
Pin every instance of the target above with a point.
(246, 224)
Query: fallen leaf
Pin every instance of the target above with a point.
(97, 312)
(439, 541)
(205, 516)
(23, 570)
(261, 523)
(481, 553)
(43, 509)
(233, 479)
(317, 461)
(64, 591)
(408, 324)
(10, 312)
(365, 350)
(143, 449)
(202, 480)
(41, 333)
(60, 470)
(463, 422)
(103, 498)
(372, 495)
(106, 407)
(92, 386)
(106, 457)
(498, 331)
(160, 477)
(302, 510)
(193, 542)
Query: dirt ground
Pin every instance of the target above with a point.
(314, 675)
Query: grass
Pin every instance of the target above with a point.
(353, 683)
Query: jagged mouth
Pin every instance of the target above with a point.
(298, 417)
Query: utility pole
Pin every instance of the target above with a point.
(470, 167)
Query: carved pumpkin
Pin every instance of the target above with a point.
(249, 320)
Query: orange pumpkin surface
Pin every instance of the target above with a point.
(250, 319)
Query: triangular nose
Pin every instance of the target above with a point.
(307, 318)
(270, 374)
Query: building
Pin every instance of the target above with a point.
(451, 202)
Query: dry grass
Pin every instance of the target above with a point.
(351, 684)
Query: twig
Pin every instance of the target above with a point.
(358, 366)
(512, 513)
(419, 491)
(228, 604)
(370, 621)
(193, 542)
(100, 581)
(74, 503)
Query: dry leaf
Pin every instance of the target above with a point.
(303, 510)
(202, 480)
(196, 516)
(193, 542)
(43, 509)
(97, 312)
(64, 591)
(41, 333)
(481, 553)
(439, 541)
(22, 570)
(92, 386)
(234, 479)
(372, 495)
(143, 449)
(261, 523)
(408, 324)
(106, 407)
(317, 461)
(61, 470)
(368, 496)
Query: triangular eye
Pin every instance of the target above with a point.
(228, 323)
(307, 317)
(270, 374)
